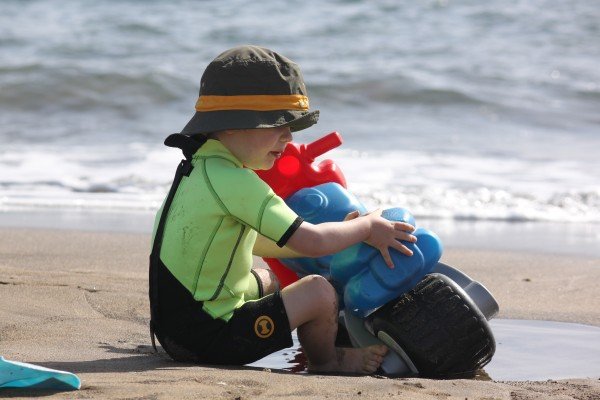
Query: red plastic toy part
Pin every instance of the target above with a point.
(293, 171)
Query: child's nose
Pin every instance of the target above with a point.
(286, 136)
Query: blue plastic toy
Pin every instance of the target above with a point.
(323, 203)
(359, 273)
(430, 315)
(18, 375)
(369, 283)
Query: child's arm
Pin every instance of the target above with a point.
(331, 237)
(264, 247)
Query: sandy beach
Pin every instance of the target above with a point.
(480, 118)
(77, 301)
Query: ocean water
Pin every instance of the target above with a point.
(456, 110)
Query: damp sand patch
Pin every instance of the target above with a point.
(526, 350)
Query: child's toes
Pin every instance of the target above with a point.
(369, 368)
(372, 366)
(380, 350)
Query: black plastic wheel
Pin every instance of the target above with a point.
(439, 327)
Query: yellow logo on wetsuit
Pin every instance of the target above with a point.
(264, 327)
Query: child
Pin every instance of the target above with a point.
(207, 304)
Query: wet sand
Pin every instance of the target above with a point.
(77, 301)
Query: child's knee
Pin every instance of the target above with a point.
(321, 289)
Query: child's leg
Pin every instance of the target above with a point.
(268, 280)
(311, 306)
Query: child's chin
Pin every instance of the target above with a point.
(261, 167)
(266, 166)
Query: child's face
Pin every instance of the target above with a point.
(257, 148)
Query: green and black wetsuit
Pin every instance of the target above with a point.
(201, 286)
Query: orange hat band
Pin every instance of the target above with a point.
(253, 102)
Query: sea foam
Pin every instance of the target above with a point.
(435, 186)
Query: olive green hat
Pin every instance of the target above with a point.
(250, 87)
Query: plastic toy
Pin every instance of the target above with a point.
(18, 375)
(322, 203)
(432, 315)
(359, 273)
(295, 170)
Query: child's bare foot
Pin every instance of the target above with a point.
(350, 360)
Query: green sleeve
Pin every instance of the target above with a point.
(249, 199)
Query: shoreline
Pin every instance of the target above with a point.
(77, 301)
(573, 239)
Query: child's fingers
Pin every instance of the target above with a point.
(402, 248)
(387, 257)
(403, 226)
(375, 212)
(352, 215)
(407, 237)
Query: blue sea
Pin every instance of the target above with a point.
(485, 112)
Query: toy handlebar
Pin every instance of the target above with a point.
(322, 146)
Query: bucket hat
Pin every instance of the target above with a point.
(250, 87)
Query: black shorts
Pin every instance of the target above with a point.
(187, 333)
(256, 329)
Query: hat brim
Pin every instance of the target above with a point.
(214, 121)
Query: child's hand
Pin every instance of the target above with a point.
(352, 215)
(386, 234)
